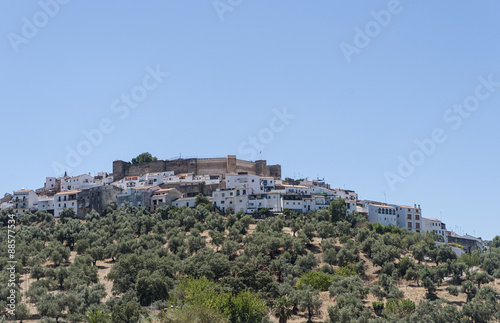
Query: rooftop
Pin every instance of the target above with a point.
(23, 191)
(69, 192)
(163, 191)
(299, 186)
(408, 207)
(187, 198)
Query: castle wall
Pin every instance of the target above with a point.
(245, 166)
(211, 166)
(198, 166)
(179, 166)
(143, 168)
(274, 171)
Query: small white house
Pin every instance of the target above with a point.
(46, 203)
(24, 201)
(345, 194)
(267, 183)
(436, 226)
(185, 201)
(271, 201)
(79, 182)
(380, 213)
(315, 202)
(243, 180)
(236, 198)
(65, 200)
(50, 183)
(297, 189)
(409, 217)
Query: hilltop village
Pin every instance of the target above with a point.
(230, 184)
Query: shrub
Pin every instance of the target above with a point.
(378, 307)
(346, 271)
(453, 290)
(316, 279)
(399, 307)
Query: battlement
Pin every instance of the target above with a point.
(198, 166)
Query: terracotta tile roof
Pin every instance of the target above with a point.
(23, 191)
(163, 191)
(69, 192)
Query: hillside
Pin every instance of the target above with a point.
(324, 266)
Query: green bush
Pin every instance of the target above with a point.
(316, 279)
(399, 307)
(346, 271)
(378, 307)
(209, 295)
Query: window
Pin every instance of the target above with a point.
(417, 217)
(417, 225)
(409, 225)
(409, 216)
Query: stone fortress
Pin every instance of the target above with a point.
(197, 166)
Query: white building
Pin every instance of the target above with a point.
(350, 205)
(436, 226)
(50, 183)
(5, 205)
(186, 201)
(24, 201)
(297, 189)
(79, 182)
(104, 178)
(65, 200)
(138, 181)
(208, 179)
(294, 202)
(46, 203)
(236, 198)
(271, 201)
(345, 194)
(380, 213)
(409, 217)
(244, 180)
(315, 202)
(267, 183)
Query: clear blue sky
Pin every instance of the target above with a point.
(228, 71)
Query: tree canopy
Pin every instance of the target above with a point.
(143, 158)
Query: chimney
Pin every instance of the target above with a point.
(419, 206)
(415, 205)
